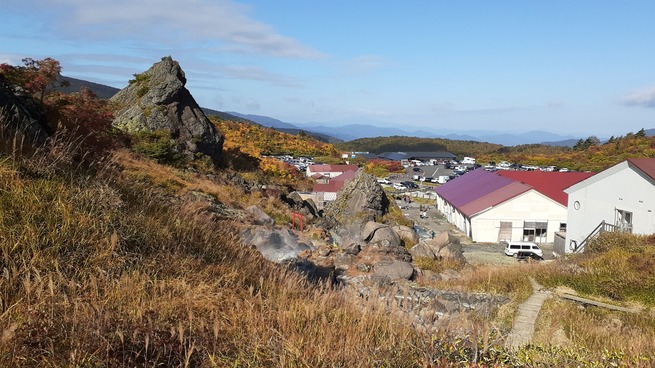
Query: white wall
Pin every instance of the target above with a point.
(529, 206)
(622, 189)
(453, 215)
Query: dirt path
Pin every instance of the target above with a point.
(523, 327)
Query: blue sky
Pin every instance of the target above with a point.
(569, 67)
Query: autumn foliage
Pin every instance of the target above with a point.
(247, 147)
(82, 117)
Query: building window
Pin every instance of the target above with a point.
(623, 220)
(535, 231)
(562, 227)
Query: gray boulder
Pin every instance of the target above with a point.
(423, 250)
(407, 234)
(305, 206)
(394, 269)
(360, 200)
(157, 100)
(382, 234)
(277, 245)
(259, 217)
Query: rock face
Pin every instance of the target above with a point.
(157, 100)
(306, 207)
(22, 114)
(444, 246)
(277, 245)
(360, 200)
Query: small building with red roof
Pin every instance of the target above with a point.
(620, 198)
(325, 189)
(329, 171)
(508, 205)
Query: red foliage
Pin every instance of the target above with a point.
(82, 115)
(36, 77)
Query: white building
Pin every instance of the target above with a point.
(508, 205)
(621, 198)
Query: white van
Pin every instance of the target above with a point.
(512, 248)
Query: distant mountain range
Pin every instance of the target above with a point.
(346, 132)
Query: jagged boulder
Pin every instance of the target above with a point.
(407, 234)
(361, 199)
(384, 235)
(444, 246)
(259, 217)
(305, 206)
(157, 100)
(22, 115)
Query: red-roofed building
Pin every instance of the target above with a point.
(550, 184)
(508, 205)
(620, 198)
(327, 191)
(329, 171)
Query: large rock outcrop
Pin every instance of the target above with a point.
(21, 115)
(360, 200)
(157, 100)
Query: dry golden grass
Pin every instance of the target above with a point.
(99, 268)
(100, 272)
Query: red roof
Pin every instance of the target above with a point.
(335, 183)
(646, 165)
(332, 168)
(550, 184)
(494, 198)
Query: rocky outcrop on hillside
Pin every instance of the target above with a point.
(22, 115)
(360, 200)
(307, 207)
(157, 100)
(444, 246)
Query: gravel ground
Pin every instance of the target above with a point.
(475, 253)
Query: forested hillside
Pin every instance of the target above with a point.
(588, 155)
(414, 144)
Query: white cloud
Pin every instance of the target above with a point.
(254, 73)
(178, 21)
(640, 98)
(364, 64)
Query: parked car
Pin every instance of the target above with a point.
(399, 186)
(513, 248)
(409, 184)
(429, 179)
(528, 255)
(384, 181)
(417, 169)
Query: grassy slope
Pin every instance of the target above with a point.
(113, 268)
(105, 271)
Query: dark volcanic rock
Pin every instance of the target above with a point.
(157, 100)
(22, 115)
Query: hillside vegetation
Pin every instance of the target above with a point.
(588, 155)
(592, 156)
(414, 144)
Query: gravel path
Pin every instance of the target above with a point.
(523, 327)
